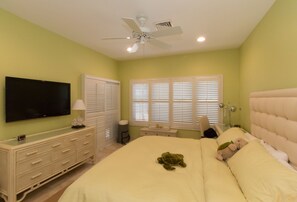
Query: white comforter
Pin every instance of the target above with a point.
(132, 174)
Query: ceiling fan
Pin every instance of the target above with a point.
(141, 34)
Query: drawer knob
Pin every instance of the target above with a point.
(85, 143)
(31, 153)
(36, 176)
(65, 162)
(73, 139)
(36, 162)
(66, 150)
(56, 145)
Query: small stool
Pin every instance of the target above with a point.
(123, 132)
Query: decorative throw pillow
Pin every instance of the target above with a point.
(261, 177)
(230, 135)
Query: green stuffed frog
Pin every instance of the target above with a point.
(169, 160)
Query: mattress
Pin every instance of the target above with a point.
(132, 174)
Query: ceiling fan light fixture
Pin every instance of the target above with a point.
(133, 49)
(200, 39)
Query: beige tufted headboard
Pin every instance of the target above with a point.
(274, 119)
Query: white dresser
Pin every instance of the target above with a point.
(25, 166)
(158, 131)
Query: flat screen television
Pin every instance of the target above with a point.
(29, 99)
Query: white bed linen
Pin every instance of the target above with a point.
(132, 174)
(220, 184)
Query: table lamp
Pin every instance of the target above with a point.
(228, 108)
(78, 106)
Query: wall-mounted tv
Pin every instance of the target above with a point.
(29, 99)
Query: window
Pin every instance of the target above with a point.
(208, 97)
(182, 103)
(160, 102)
(140, 102)
(176, 102)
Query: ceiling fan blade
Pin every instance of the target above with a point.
(167, 32)
(115, 38)
(132, 24)
(159, 43)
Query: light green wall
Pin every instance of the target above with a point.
(268, 58)
(218, 62)
(29, 51)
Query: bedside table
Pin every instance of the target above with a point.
(158, 132)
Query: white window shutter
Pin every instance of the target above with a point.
(182, 103)
(160, 102)
(140, 98)
(176, 102)
(208, 98)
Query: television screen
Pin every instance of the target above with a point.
(28, 99)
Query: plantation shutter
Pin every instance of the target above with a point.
(95, 94)
(176, 102)
(140, 99)
(160, 102)
(111, 96)
(208, 97)
(182, 103)
(101, 97)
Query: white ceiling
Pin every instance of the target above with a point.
(224, 23)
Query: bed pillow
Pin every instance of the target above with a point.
(261, 177)
(279, 155)
(230, 134)
(249, 137)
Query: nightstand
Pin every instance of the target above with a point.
(158, 132)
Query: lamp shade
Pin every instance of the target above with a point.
(79, 105)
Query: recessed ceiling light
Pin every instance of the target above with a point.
(201, 39)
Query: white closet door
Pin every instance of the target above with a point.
(94, 95)
(103, 110)
(99, 123)
(111, 111)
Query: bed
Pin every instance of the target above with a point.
(254, 173)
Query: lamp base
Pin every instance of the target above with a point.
(78, 126)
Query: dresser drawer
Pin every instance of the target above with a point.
(37, 161)
(85, 143)
(57, 144)
(64, 163)
(62, 153)
(72, 140)
(85, 153)
(32, 152)
(33, 177)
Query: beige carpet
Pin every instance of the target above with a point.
(56, 196)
